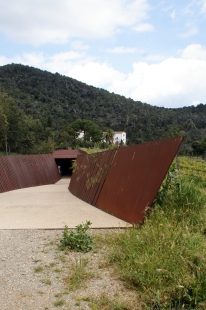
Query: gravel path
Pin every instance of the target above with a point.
(35, 274)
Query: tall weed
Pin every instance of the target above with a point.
(164, 259)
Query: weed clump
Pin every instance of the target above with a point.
(164, 259)
(78, 240)
(78, 275)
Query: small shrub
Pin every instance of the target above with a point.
(77, 240)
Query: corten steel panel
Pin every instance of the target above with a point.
(89, 176)
(10, 179)
(17, 170)
(27, 171)
(51, 169)
(106, 159)
(81, 175)
(36, 177)
(40, 170)
(135, 177)
(4, 177)
(76, 175)
(61, 153)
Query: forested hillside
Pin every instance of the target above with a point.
(48, 103)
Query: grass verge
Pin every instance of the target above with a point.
(164, 259)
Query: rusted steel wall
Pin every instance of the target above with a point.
(27, 171)
(89, 176)
(135, 177)
(131, 181)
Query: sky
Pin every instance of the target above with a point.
(148, 50)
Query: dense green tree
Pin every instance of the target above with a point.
(3, 129)
(108, 136)
(19, 132)
(199, 147)
(67, 137)
(91, 131)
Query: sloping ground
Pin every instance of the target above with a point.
(50, 207)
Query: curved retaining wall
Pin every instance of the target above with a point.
(124, 182)
(26, 171)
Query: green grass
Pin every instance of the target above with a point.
(194, 167)
(4, 153)
(78, 275)
(46, 281)
(103, 302)
(59, 303)
(38, 269)
(164, 260)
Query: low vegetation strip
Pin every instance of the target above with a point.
(164, 259)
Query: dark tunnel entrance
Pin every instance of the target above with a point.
(64, 158)
(65, 166)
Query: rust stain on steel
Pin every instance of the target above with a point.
(88, 178)
(26, 171)
(135, 177)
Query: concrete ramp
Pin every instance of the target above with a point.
(50, 207)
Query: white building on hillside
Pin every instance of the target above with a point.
(119, 136)
(81, 135)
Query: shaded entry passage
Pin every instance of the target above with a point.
(64, 158)
(65, 166)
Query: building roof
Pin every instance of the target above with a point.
(66, 153)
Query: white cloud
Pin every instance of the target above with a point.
(203, 9)
(66, 56)
(122, 50)
(153, 58)
(189, 9)
(190, 30)
(96, 74)
(38, 22)
(31, 59)
(78, 45)
(194, 51)
(173, 82)
(173, 14)
(143, 28)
